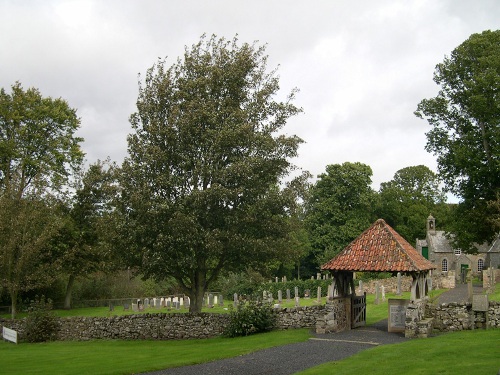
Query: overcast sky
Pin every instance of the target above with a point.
(361, 66)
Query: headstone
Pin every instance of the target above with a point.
(221, 300)
(140, 305)
(126, 306)
(296, 291)
(330, 292)
(319, 294)
(377, 293)
(297, 301)
(318, 276)
(398, 291)
(383, 293)
(288, 295)
(210, 300)
(307, 293)
(146, 303)
(280, 296)
(163, 302)
(216, 299)
(276, 279)
(284, 279)
(361, 291)
(270, 297)
(135, 307)
(235, 299)
(168, 302)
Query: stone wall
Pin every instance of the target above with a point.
(161, 326)
(460, 317)
(390, 285)
(490, 275)
(335, 317)
(439, 281)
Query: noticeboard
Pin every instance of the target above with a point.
(397, 315)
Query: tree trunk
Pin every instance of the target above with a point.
(69, 289)
(13, 304)
(197, 293)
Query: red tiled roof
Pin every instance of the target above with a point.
(379, 248)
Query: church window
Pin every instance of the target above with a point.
(444, 265)
(480, 265)
(458, 252)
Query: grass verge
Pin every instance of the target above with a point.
(127, 357)
(467, 352)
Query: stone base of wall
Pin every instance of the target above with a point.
(337, 317)
(459, 317)
(174, 326)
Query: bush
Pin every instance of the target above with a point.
(250, 318)
(41, 323)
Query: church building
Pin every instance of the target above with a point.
(437, 248)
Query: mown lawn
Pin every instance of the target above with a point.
(127, 357)
(468, 352)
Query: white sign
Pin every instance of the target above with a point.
(9, 335)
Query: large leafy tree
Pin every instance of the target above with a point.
(340, 207)
(38, 152)
(465, 134)
(201, 185)
(407, 200)
(82, 246)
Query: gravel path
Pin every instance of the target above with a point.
(292, 358)
(289, 359)
(459, 294)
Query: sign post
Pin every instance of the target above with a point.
(9, 335)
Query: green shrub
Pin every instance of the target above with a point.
(249, 318)
(41, 322)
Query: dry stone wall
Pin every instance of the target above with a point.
(161, 326)
(460, 317)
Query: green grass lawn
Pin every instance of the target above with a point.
(495, 296)
(468, 352)
(474, 352)
(127, 357)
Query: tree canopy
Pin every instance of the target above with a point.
(407, 200)
(201, 185)
(465, 134)
(38, 151)
(340, 207)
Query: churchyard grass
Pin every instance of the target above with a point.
(127, 357)
(467, 352)
(495, 296)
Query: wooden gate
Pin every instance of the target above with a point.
(358, 311)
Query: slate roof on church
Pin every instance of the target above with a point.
(379, 248)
